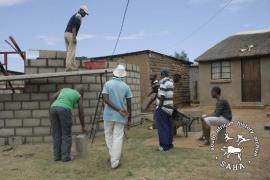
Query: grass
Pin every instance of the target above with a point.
(138, 162)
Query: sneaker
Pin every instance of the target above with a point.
(202, 138)
(205, 144)
(71, 158)
(160, 149)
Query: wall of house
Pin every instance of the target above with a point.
(152, 64)
(230, 89)
(265, 80)
(181, 90)
(24, 117)
(194, 83)
(142, 61)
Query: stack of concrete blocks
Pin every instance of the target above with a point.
(24, 117)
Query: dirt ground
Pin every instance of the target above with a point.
(140, 160)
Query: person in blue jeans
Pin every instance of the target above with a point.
(164, 110)
(62, 104)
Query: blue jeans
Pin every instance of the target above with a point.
(165, 129)
(61, 121)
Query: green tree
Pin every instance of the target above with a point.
(182, 56)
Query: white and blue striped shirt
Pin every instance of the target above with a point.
(166, 89)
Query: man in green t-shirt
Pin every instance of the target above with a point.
(62, 104)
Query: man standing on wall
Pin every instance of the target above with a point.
(71, 33)
(164, 110)
(62, 104)
(115, 92)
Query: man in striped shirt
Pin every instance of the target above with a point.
(164, 110)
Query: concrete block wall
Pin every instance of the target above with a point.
(24, 117)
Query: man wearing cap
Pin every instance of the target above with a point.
(164, 110)
(71, 33)
(115, 93)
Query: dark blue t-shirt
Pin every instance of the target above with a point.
(75, 21)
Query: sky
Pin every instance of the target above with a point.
(159, 25)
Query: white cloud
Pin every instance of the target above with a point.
(138, 36)
(49, 40)
(198, 1)
(82, 37)
(236, 5)
(11, 2)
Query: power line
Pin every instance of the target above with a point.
(121, 28)
(202, 25)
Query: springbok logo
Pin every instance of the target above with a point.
(235, 147)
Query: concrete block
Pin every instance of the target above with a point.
(84, 86)
(44, 104)
(60, 69)
(22, 114)
(61, 54)
(89, 111)
(5, 97)
(13, 122)
(48, 54)
(95, 87)
(34, 140)
(12, 105)
(7, 132)
(1, 106)
(46, 70)
(40, 113)
(16, 140)
(2, 123)
(112, 64)
(61, 86)
(39, 96)
(39, 81)
(31, 88)
(56, 80)
(93, 103)
(3, 141)
(45, 122)
(42, 131)
(31, 70)
(48, 88)
(90, 95)
(38, 63)
(88, 79)
(73, 79)
(31, 122)
(21, 97)
(6, 114)
(47, 139)
(129, 67)
(56, 63)
(30, 105)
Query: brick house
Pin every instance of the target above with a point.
(152, 62)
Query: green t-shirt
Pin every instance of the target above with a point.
(67, 98)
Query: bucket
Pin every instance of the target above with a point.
(81, 142)
(98, 64)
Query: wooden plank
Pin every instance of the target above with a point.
(56, 74)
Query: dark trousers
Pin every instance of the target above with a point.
(61, 120)
(165, 129)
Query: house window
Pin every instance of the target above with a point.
(221, 70)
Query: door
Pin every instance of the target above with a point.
(251, 80)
